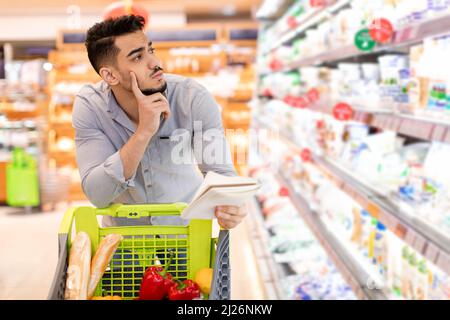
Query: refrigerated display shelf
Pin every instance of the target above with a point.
(417, 126)
(354, 274)
(280, 11)
(312, 18)
(402, 38)
(422, 236)
(421, 127)
(398, 217)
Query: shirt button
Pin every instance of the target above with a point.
(146, 170)
(149, 185)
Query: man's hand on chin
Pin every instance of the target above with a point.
(230, 216)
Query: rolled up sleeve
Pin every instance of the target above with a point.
(114, 168)
(98, 161)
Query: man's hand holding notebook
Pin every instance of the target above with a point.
(216, 190)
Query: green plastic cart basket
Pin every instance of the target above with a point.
(145, 246)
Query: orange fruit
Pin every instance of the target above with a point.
(203, 278)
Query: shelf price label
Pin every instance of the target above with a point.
(313, 95)
(283, 192)
(363, 40)
(306, 155)
(381, 30)
(342, 111)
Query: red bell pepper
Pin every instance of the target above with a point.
(156, 282)
(185, 290)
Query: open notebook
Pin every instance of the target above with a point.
(216, 190)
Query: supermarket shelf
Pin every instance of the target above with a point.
(314, 17)
(61, 125)
(397, 216)
(271, 271)
(404, 37)
(426, 239)
(355, 275)
(420, 127)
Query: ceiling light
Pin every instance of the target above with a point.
(229, 10)
(47, 66)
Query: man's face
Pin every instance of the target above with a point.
(136, 55)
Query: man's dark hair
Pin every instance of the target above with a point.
(101, 36)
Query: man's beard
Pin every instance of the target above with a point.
(149, 92)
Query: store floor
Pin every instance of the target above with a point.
(29, 252)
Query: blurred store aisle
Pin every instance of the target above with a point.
(28, 251)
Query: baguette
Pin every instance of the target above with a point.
(101, 260)
(78, 271)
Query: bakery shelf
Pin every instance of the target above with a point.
(351, 269)
(397, 216)
(76, 192)
(61, 154)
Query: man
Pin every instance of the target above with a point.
(127, 127)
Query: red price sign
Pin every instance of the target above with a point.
(342, 111)
(283, 192)
(317, 3)
(292, 22)
(320, 124)
(313, 95)
(301, 102)
(381, 30)
(275, 65)
(306, 155)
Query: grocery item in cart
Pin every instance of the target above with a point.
(78, 271)
(101, 260)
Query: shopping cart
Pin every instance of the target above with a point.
(144, 246)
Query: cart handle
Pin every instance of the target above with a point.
(142, 210)
(124, 211)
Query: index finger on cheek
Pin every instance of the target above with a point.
(134, 86)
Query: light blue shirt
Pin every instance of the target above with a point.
(102, 128)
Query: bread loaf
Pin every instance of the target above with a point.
(101, 260)
(78, 271)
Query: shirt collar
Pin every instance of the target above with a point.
(117, 113)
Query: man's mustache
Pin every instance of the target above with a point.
(155, 70)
